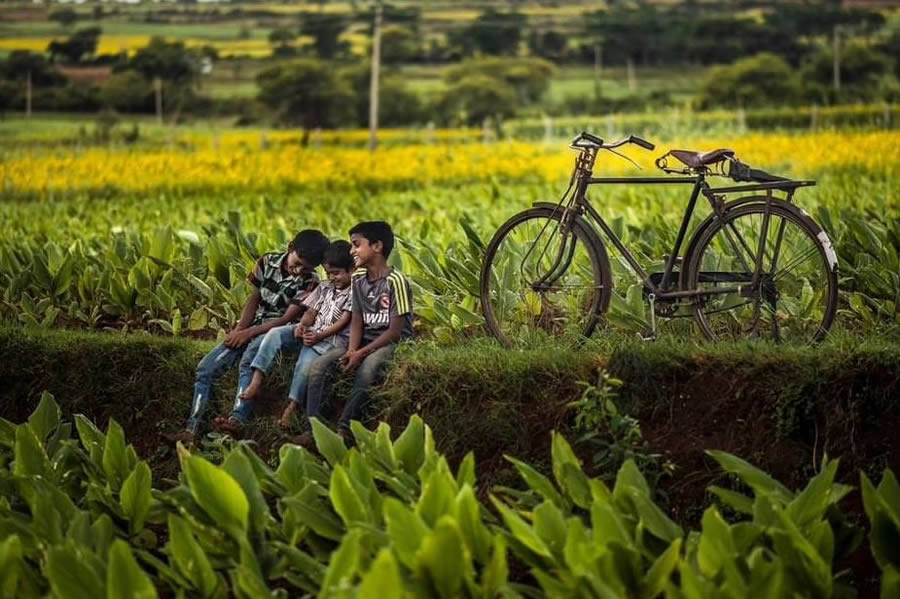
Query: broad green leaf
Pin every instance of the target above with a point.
(309, 509)
(438, 492)
(135, 496)
(468, 517)
(124, 578)
(10, 565)
(755, 478)
(521, 530)
(629, 476)
(716, 545)
(115, 458)
(405, 529)
(539, 483)
(92, 438)
(220, 496)
(495, 575)
(736, 501)
(45, 417)
(409, 448)
(661, 571)
(465, 474)
(72, 576)
(30, 457)
(551, 527)
(346, 501)
(383, 578)
(329, 443)
(343, 564)
(239, 467)
(443, 560)
(190, 558)
(811, 503)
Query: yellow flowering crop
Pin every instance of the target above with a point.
(242, 163)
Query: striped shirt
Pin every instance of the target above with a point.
(379, 300)
(277, 288)
(330, 303)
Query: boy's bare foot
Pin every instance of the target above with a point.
(185, 436)
(227, 425)
(253, 388)
(287, 415)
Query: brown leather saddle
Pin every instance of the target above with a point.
(698, 159)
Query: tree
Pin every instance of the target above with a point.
(398, 44)
(169, 61)
(81, 43)
(529, 78)
(494, 33)
(128, 91)
(64, 16)
(863, 71)
(761, 80)
(548, 44)
(306, 92)
(281, 40)
(20, 63)
(476, 97)
(398, 105)
(325, 29)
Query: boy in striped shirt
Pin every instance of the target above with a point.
(382, 315)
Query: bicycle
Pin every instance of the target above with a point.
(756, 266)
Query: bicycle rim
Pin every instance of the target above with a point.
(795, 296)
(539, 283)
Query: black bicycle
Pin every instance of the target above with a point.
(757, 266)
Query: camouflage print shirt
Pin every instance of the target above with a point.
(278, 288)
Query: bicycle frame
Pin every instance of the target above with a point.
(580, 204)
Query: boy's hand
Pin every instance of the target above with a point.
(351, 360)
(299, 331)
(236, 339)
(310, 338)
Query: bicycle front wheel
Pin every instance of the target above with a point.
(544, 278)
(794, 296)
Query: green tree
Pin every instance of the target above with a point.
(862, 69)
(128, 91)
(397, 105)
(529, 78)
(494, 33)
(398, 44)
(325, 29)
(306, 92)
(476, 97)
(20, 63)
(549, 44)
(81, 43)
(761, 80)
(170, 61)
(64, 16)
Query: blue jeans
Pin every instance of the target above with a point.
(274, 342)
(366, 376)
(212, 366)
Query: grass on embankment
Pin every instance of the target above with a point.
(779, 407)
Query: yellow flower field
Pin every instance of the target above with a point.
(239, 161)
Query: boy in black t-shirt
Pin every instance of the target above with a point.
(382, 313)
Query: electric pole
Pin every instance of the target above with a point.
(373, 82)
(837, 59)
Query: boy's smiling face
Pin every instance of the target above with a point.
(363, 251)
(338, 277)
(297, 265)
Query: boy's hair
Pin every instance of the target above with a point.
(311, 245)
(337, 255)
(376, 230)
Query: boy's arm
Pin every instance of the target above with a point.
(391, 335)
(334, 328)
(356, 332)
(290, 314)
(237, 336)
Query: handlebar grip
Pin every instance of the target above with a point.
(642, 142)
(592, 138)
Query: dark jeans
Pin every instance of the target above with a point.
(366, 376)
(212, 366)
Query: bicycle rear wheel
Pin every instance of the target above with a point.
(540, 280)
(795, 296)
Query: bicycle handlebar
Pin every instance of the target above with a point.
(631, 139)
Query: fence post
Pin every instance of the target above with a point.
(548, 129)
(814, 117)
(429, 133)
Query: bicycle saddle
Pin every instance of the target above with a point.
(698, 159)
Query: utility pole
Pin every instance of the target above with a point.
(157, 87)
(373, 82)
(837, 59)
(28, 95)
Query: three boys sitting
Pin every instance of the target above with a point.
(352, 321)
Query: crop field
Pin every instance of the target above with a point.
(159, 236)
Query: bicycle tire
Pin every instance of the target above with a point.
(711, 260)
(491, 288)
